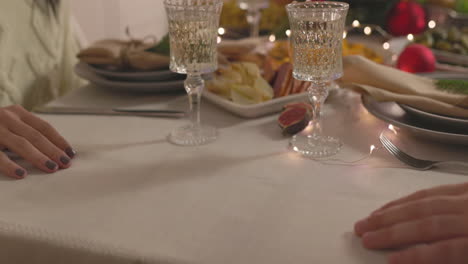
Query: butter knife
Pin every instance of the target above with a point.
(61, 110)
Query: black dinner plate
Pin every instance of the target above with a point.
(392, 113)
(133, 76)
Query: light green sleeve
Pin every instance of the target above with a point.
(37, 53)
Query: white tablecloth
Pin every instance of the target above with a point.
(132, 197)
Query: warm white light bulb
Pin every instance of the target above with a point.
(345, 34)
(367, 31)
(372, 148)
(221, 31)
(288, 33)
(386, 45)
(243, 6)
(410, 37)
(272, 38)
(356, 23)
(219, 39)
(431, 24)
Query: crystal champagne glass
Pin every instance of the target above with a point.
(253, 13)
(193, 26)
(316, 39)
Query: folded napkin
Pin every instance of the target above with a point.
(121, 54)
(239, 47)
(385, 83)
(240, 50)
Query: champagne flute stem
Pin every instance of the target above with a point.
(253, 18)
(194, 85)
(318, 92)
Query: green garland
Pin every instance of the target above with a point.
(163, 47)
(453, 86)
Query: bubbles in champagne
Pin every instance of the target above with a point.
(193, 45)
(316, 43)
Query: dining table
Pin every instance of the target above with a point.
(131, 196)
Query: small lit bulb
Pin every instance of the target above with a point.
(410, 37)
(288, 33)
(345, 34)
(221, 31)
(356, 23)
(367, 31)
(308, 129)
(219, 39)
(372, 148)
(243, 6)
(432, 24)
(386, 45)
(272, 38)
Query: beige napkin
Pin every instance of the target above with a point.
(385, 83)
(234, 48)
(123, 54)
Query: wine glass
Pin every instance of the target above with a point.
(316, 39)
(253, 14)
(193, 26)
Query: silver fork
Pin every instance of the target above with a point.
(412, 161)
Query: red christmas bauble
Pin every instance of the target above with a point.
(405, 18)
(416, 58)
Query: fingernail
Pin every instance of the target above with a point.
(369, 239)
(20, 173)
(64, 160)
(376, 212)
(51, 165)
(70, 152)
(360, 226)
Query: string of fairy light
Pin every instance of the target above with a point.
(367, 29)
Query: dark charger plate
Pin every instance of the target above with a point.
(392, 113)
(133, 76)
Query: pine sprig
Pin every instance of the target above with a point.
(163, 47)
(453, 86)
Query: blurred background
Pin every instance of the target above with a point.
(104, 18)
(440, 26)
(100, 19)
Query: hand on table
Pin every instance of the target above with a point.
(432, 224)
(34, 140)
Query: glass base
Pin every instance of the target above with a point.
(315, 146)
(193, 136)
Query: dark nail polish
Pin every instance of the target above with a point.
(51, 165)
(20, 173)
(65, 160)
(70, 152)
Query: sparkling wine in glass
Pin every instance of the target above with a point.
(316, 39)
(193, 26)
(253, 13)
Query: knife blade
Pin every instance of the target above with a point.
(65, 110)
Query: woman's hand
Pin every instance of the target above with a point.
(33, 139)
(430, 225)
